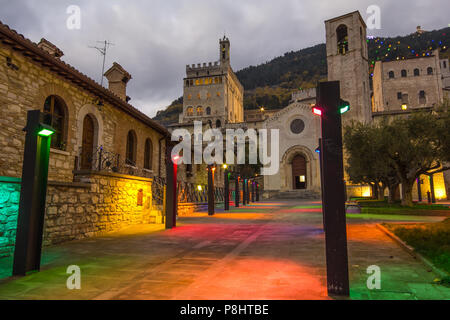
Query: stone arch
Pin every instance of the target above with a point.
(52, 89)
(95, 114)
(286, 168)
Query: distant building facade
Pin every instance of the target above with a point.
(409, 84)
(212, 92)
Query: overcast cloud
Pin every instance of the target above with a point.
(155, 40)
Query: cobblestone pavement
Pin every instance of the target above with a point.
(271, 250)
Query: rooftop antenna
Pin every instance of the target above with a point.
(103, 50)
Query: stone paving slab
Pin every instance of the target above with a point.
(265, 251)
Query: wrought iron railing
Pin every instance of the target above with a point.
(105, 161)
(158, 189)
(194, 193)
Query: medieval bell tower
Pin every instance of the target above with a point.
(225, 51)
(347, 57)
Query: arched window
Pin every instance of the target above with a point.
(199, 111)
(208, 111)
(55, 116)
(391, 75)
(416, 72)
(190, 111)
(131, 148)
(404, 74)
(218, 124)
(148, 155)
(342, 39)
(430, 71)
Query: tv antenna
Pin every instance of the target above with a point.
(103, 50)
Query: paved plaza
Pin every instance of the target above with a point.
(269, 250)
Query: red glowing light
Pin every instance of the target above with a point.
(317, 111)
(175, 159)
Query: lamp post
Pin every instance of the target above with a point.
(30, 224)
(211, 200)
(227, 188)
(171, 192)
(330, 108)
(257, 192)
(237, 192)
(244, 192)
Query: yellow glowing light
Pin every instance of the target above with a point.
(225, 166)
(440, 194)
(199, 188)
(404, 107)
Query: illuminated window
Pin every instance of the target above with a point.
(197, 82)
(131, 148)
(190, 111)
(148, 155)
(189, 97)
(199, 111)
(55, 116)
(218, 94)
(342, 39)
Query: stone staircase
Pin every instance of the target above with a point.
(298, 195)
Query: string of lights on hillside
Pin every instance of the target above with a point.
(389, 49)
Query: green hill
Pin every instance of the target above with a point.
(271, 84)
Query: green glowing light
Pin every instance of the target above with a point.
(45, 133)
(345, 109)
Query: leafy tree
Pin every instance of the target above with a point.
(400, 150)
(367, 160)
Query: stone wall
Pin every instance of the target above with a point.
(9, 207)
(96, 204)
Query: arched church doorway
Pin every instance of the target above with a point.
(87, 147)
(299, 173)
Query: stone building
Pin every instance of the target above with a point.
(212, 92)
(86, 196)
(213, 96)
(347, 57)
(408, 84)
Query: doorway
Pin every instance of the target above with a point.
(299, 173)
(87, 147)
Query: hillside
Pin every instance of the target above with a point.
(271, 84)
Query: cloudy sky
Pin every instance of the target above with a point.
(154, 40)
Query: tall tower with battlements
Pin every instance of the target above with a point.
(347, 57)
(212, 92)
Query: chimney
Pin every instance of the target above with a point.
(50, 48)
(118, 79)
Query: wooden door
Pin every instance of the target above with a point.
(299, 173)
(87, 148)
